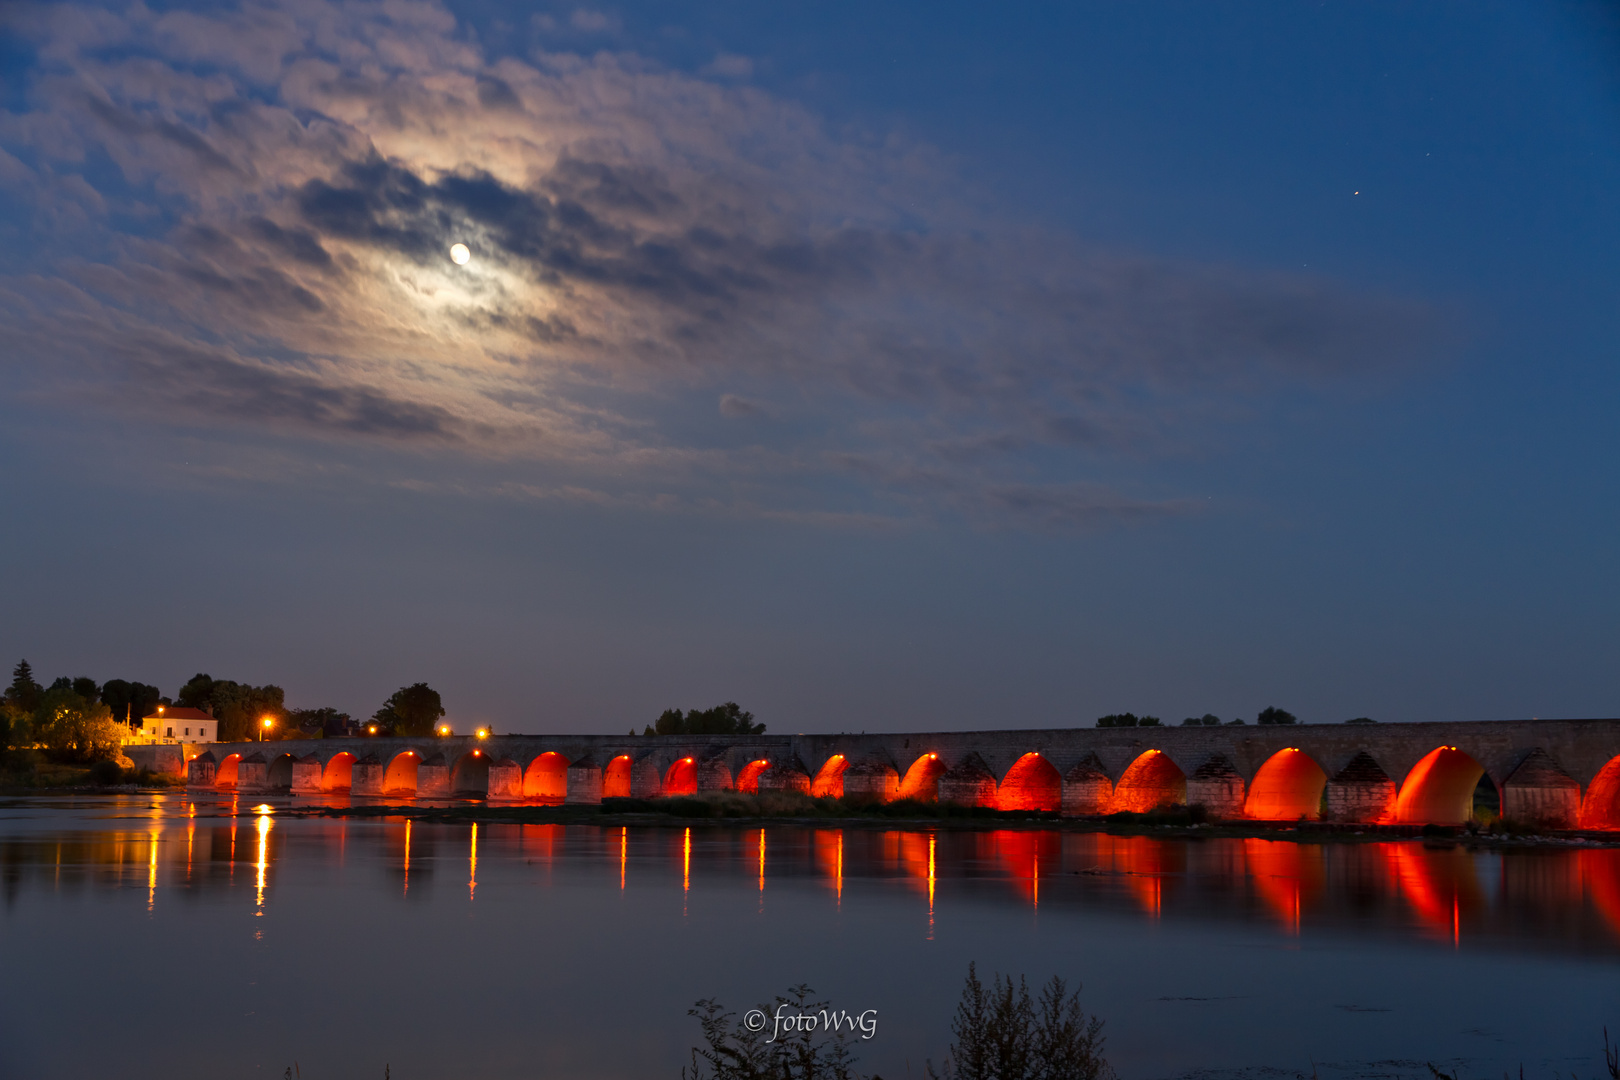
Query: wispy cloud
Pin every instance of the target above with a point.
(291, 177)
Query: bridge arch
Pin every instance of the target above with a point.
(921, 781)
(1601, 807)
(1288, 787)
(1440, 788)
(339, 772)
(470, 774)
(1151, 781)
(616, 778)
(828, 783)
(546, 777)
(225, 774)
(400, 777)
(681, 777)
(279, 775)
(1031, 784)
(748, 775)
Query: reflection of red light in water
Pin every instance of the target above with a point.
(1031, 784)
(1440, 789)
(681, 778)
(829, 780)
(407, 890)
(686, 862)
(624, 854)
(762, 861)
(1289, 877)
(616, 778)
(931, 840)
(1436, 883)
(1600, 871)
(472, 865)
(748, 779)
(1288, 787)
(1020, 853)
(1152, 781)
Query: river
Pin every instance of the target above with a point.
(172, 936)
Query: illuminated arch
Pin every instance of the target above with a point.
(471, 774)
(681, 778)
(748, 778)
(1288, 787)
(616, 778)
(1601, 807)
(225, 775)
(400, 778)
(829, 779)
(1152, 781)
(546, 777)
(339, 773)
(921, 781)
(1031, 784)
(1440, 789)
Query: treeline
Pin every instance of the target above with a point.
(78, 720)
(1268, 716)
(727, 719)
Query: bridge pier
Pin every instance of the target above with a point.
(713, 773)
(306, 775)
(1361, 793)
(368, 776)
(433, 778)
(1086, 789)
(1218, 788)
(584, 782)
(875, 781)
(785, 776)
(505, 780)
(200, 770)
(1540, 793)
(253, 775)
(968, 783)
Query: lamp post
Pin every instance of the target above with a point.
(264, 726)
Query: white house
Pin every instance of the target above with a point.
(177, 724)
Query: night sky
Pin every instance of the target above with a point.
(872, 365)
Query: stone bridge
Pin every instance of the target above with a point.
(1552, 773)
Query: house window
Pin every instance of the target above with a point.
(170, 735)
(188, 731)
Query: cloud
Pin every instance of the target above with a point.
(291, 176)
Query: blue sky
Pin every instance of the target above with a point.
(875, 366)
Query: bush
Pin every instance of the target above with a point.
(74, 729)
(1002, 1035)
(106, 773)
(737, 1053)
(1273, 715)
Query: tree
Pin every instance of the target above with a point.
(727, 719)
(1002, 1035)
(410, 710)
(23, 692)
(321, 723)
(239, 707)
(1362, 720)
(1273, 715)
(76, 729)
(130, 701)
(1124, 719)
(1207, 720)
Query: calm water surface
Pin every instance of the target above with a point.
(176, 937)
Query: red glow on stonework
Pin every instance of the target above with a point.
(1288, 787)
(616, 778)
(748, 779)
(681, 778)
(922, 779)
(339, 773)
(546, 777)
(1440, 789)
(400, 779)
(829, 779)
(1031, 784)
(1152, 781)
(1601, 807)
(225, 775)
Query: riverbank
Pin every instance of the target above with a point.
(730, 810)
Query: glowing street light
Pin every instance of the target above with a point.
(264, 726)
(483, 733)
(371, 729)
(444, 729)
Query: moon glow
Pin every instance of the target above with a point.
(459, 254)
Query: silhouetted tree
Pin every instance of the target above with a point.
(1124, 719)
(1207, 720)
(130, 701)
(24, 691)
(734, 1052)
(239, 707)
(727, 719)
(1002, 1035)
(1272, 715)
(410, 710)
(1362, 720)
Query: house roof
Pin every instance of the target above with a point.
(179, 713)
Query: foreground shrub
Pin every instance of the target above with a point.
(734, 1052)
(1002, 1035)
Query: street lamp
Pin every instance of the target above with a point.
(444, 729)
(265, 726)
(371, 730)
(483, 733)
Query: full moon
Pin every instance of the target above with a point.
(460, 254)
